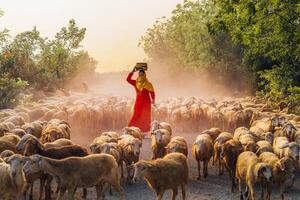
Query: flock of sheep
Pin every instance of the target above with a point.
(255, 144)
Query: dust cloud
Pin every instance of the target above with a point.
(167, 83)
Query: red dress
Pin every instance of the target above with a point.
(141, 117)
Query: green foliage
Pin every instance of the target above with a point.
(253, 42)
(42, 63)
(9, 89)
(185, 40)
(269, 32)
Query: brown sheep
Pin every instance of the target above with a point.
(92, 170)
(111, 134)
(34, 146)
(112, 149)
(283, 170)
(213, 132)
(12, 178)
(161, 125)
(34, 128)
(5, 145)
(250, 170)
(221, 139)
(12, 138)
(165, 173)
(263, 146)
(202, 150)
(282, 147)
(230, 151)
(57, 143)
(51, 133)
(95, 146)
(177, 144)
(134, 131)
(159, 140)
(247, 138)
(131, 148)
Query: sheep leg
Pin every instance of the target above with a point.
(121, 166)
(48, 187)
(175, 192)
(31, 192)
(205, 169)
(160, 195)
(116, 185)
(268, 191)
(213, 162)
(239, 182)
(231, 176)
(199, 169)
(99, 191)
(282, 191)
(71, 192)
(61, 194)
(220, 166)
(250, 189)
(42, 185)
(183, 191)
(129, 174)
(84, 193)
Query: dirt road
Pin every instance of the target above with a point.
(214, 187)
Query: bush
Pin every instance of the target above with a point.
(9, 89)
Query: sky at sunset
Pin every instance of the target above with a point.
(114, 27)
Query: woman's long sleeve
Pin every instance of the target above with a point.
(130, 80)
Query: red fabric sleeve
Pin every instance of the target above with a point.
(130, 80)
(152, 94)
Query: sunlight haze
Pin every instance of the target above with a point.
(114, 27)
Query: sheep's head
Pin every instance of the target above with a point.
(134, 146)
(287, 165)
(16, 162)
(293, 150)
(251, 146)
(289, 128)
(281, 120)
(126, 130)
(33, 164)
(269, 137)
(140, 169)
(265, 172)
(158, 134)
(22, 143)
(95, 148)
(275, 121)
(171, 148)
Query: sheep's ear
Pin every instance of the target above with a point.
(284, 146)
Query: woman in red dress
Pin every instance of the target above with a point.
(145, 95)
